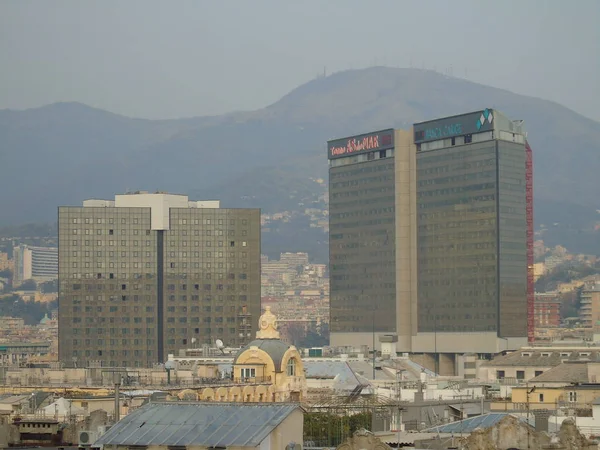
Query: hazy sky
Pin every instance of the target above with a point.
(168, 59)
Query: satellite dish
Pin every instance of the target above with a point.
(220, 345)
(169, 365)
(193, 340)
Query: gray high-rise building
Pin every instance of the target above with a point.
(146, 275)
(431, 236)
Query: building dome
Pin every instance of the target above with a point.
(269, 359)
(267, 340)
(272, 347)
(45, 320)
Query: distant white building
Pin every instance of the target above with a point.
(35, 263)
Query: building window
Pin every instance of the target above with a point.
(541, 398)
(500, 374)
(248, 372)
(291, 367)
(520, 374)
(538, 373)
(573, 397)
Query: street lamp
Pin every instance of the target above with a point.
(169, 365)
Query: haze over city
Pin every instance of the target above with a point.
(152, 59)
(299, 225)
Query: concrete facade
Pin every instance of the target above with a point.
(146, 275)
(406, 239)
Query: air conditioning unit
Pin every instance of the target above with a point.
(87, 437)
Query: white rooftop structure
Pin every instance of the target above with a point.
(160, 203)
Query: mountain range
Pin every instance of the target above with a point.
(275, 158)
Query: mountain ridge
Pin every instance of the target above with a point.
(65, 152)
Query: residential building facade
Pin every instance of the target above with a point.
(146, 275)
(547, 310)
(589, 313)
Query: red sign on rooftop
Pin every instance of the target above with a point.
(380, 140)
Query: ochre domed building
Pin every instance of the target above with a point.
(270, 359)
(265, 370)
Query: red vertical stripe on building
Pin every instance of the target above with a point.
(530, 260)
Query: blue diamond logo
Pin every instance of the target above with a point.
(478, 124)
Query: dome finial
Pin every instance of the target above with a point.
(267, 325)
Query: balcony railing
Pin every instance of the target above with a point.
(231, 381)
(511, 381)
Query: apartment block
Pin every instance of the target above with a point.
(148, 275)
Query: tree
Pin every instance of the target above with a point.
(329, 429)
(6, 273)
(32, 312)
(295, 333)
(313, 339)
(28, 285)
(49, 286)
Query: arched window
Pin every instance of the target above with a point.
(291, 367)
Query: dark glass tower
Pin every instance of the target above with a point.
(362, 232)
(472, 226)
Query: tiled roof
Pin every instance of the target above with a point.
(199, 424)
(468, 425)
(569, 372)
(542, 358)
(14, 399)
